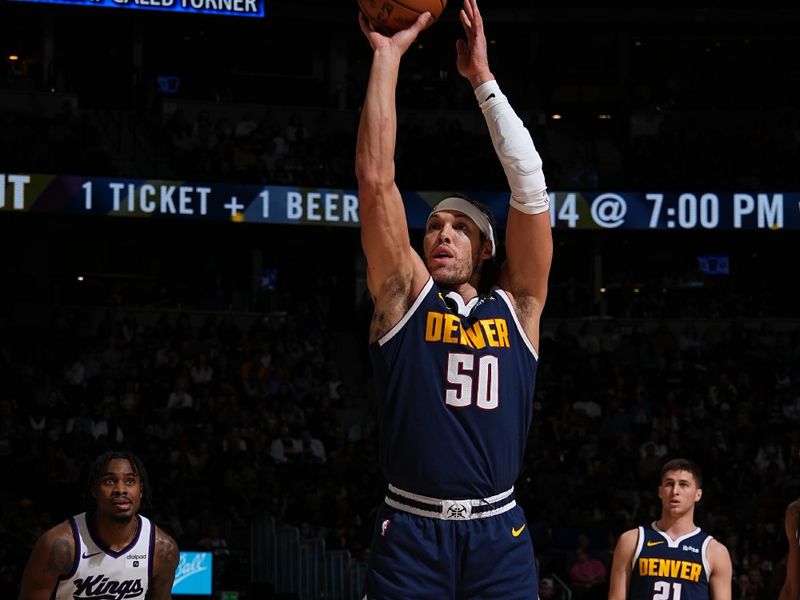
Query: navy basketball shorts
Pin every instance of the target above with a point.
(423, 558)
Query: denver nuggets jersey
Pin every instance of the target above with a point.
(99, 572)
(455, 396)
(664, 569)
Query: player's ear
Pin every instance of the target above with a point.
(486, 249)
(698, 494)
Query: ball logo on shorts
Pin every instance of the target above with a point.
(457, 511)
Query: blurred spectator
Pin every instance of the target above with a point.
(587, 576)
(547, 590)
(285, 448)
(311, 449)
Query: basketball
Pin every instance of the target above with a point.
(393, 15)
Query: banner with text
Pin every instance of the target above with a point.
(231, 8)
(284, 205)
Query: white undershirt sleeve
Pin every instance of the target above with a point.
(514, 147)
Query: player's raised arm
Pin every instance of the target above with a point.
(395, 271)
(529, 242)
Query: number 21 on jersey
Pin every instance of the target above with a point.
(662, 591)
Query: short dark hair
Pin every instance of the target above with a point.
(683, 464)
(100, 466)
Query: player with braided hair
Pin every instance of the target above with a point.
(109, 550)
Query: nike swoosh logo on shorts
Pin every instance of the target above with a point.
(654, 543)
(84, 555)
(516, 532)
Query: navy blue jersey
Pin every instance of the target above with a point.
(455, 390)
(667, 569)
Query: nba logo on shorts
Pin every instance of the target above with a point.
(385, 527)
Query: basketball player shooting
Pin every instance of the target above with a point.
(454, 352)
(110, 550)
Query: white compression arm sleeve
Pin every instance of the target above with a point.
(514, 147)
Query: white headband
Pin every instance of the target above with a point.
(473, 212)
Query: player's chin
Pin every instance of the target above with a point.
(123, 517)
(446, 277)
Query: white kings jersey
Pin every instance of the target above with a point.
(99, 573)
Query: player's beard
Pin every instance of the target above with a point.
(457, 274)
(453, 275)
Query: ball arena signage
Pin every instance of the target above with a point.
(236, 8)
(283, 205)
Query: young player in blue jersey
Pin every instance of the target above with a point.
(791, 582)
(455, 355)
(110, 551)
(672, 559)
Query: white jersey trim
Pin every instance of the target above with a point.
(674, 543)
(639, 545)
(431, 500)
(438, 515)
(464, 309)
(524, 335)
(704, 555)
(393, 331)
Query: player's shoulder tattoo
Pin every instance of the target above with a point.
(166, 549)
(60, 550)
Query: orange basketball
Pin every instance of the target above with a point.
(394, 15)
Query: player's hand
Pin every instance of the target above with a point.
(472, 59)
(400, 40)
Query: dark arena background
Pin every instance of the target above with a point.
(181, 272)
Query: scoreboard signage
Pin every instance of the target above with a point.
(283, 205)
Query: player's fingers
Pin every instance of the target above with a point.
(476, 15)
(465, 20)
(364, 23)
(421, 22)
